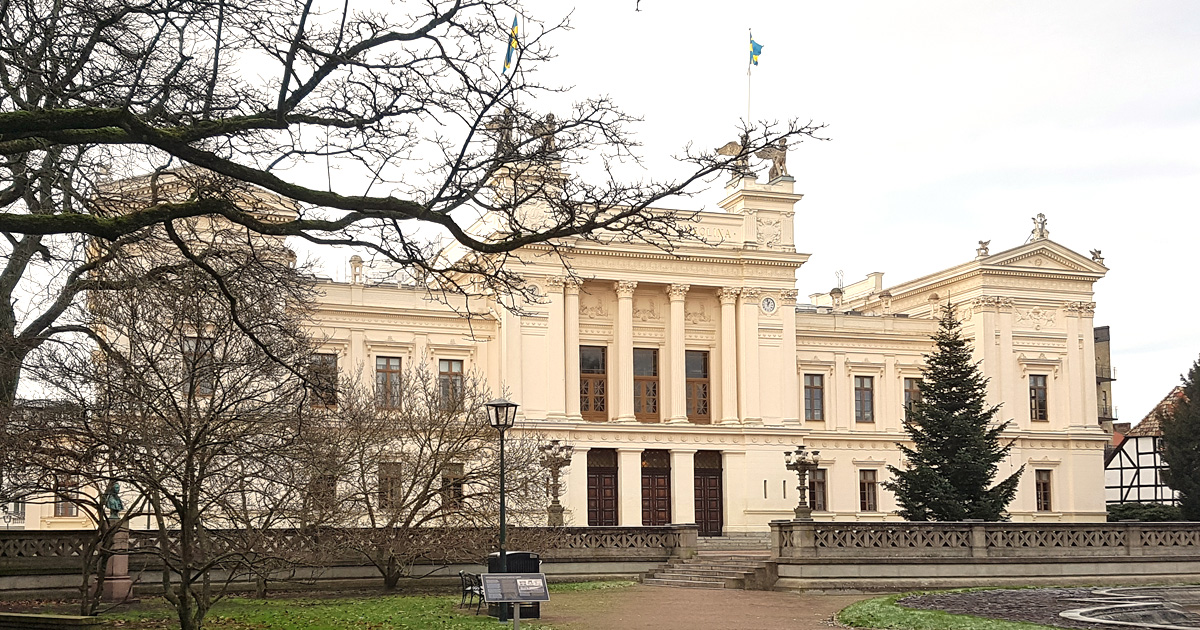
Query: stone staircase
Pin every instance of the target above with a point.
(737, 569)
(747, 541)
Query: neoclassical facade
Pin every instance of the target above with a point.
(682, 378)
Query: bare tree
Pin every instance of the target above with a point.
(191, 378)
(418, 132)
(410, 475)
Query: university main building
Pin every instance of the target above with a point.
(682, 378)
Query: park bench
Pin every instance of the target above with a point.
(472, 590)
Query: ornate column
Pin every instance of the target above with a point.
(748, 385)
(677, 379)
(571, 292)
(556, 408)
(624, 383)
(683, 486)
(729, 363)
(575, 498)
(791, 378)
(629, 487)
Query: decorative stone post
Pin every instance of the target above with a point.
(802, 462)
(555, 456)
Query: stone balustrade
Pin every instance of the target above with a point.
(797, 540)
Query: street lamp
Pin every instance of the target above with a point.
(502, 415)
(802, 462)
(555, 456)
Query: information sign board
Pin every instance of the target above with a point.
(515, 587)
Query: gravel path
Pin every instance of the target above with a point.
(657, 608)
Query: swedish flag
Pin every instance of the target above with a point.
(512, 45)
(755, 50)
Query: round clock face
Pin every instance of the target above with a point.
(768, 305)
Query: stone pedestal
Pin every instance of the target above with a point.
(117, 584)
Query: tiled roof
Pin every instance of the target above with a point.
(1151, 425)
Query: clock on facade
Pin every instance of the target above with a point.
(768, 305)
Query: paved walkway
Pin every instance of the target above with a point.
(657, 608)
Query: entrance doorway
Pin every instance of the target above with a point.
(602, 487)
(656, 487)
(709, 506)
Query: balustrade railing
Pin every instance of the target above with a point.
(800, 540)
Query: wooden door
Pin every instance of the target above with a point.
(709, 509)
(602, 497)
(656, 496)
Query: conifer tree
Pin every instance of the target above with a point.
(955, 445)
(1181, 445)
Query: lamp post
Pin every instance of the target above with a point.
(555, 456)
(502, 415)
(802, 462)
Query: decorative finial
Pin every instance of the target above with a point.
(982, 250)
(1039, 228)
(356, 269)
(1096, 257)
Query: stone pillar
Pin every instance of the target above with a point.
(677, 378)
(629, 487)
(735, 490)
(117, 583)
(575, 497)
(840, 398)
(791, 377)
(556, 335)
(729, 354)
(624, 382)
(683, 486)
(748, 385)
(571, 292)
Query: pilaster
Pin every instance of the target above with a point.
(575, 497)
(511, 378)
(748, 382)
(629, 486)
(729, 355)
(556, 331)
(683, 486)
(571, 293)
(677, 379)
(791, 376)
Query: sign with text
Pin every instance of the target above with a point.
(515, 587)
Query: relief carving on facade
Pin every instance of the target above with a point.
(697, 314)
(770, 231)
(593, 308)
(1037, 317)
(1080, 309)
(989, 302)
(645, 310)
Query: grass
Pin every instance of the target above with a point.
(884, 613)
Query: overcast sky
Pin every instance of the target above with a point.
(949, 123)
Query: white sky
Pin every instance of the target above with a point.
(950, 122)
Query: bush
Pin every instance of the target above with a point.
(1150, 512)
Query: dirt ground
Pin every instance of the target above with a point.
(659, 608)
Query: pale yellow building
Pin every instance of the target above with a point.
(682, 378)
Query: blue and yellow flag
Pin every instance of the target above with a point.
(755, 51)
(512, 45)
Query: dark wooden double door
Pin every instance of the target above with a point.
(710, 508)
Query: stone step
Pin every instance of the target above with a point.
(736, 566)
(685, 583)
(701, 574)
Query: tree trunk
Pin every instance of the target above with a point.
(12, 357)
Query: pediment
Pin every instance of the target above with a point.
(1044, 255)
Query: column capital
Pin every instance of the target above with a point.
(678, 291)
(571, 286)
(1080, 309)
(751, 294)
(625, 288)
(728, 295)
(555, 284)
(683, 451)
(787, 297)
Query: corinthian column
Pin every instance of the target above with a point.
(624, 389)
(748, 386)
(556, 338)
(571, 292)
(729, 372)
(677, 382)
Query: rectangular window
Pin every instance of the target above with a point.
(698, 408)
(593, 383)
(864, 399)
(322, 490)
(868, 500)
(391, 485)
(387, 382)
(323, 379)
(64, 497)
(1038, 407)
(912, 393)
(816, 490)
(1042, 487)
(814, 397)
(450, 384)
(645, 384)
(198, 368)
(452, 485)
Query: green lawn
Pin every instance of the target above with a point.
(884, 613)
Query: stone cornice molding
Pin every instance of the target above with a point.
(678, 292)
(737, 256)
(728, 295)
(625, 288)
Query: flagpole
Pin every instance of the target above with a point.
(748, 85)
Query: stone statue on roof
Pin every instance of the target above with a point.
(741, 166)
(778, 156)
(1039, 228)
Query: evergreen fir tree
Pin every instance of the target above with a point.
(955, 447)
(1181, 445)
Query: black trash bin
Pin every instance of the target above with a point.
(518, 562)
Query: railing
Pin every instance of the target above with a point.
(1106, 412)
(1106, 373)
(33, 552)
(811, 540)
